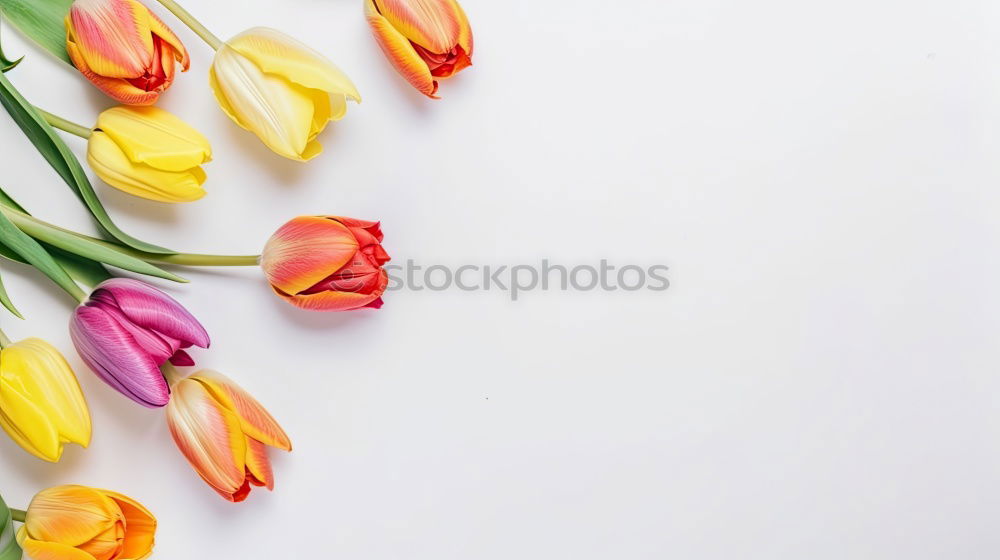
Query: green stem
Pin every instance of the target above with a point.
(18, 515)
(171, 374)
(191, 22)
(65, 125)
(4, 341)
(194, 259)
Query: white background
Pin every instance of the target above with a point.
(820, 381)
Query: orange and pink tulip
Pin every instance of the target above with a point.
(423, 39)
(327, 263)
(224, 433)
(123, 49)
(82, 523)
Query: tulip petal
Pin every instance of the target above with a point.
(115, 356)
(50, 383)
(278, 112)
(209, 436)
(160, 29)
(433, 24)
(91, 513)
(44, 550)
(255, 421)
(400, 52)
(337, 301)
(26, 424)
(276, 53)
(113, 36)
(106, 545)
(306, 250)
(111, 164)
(155, 137)
(151, 308)
(258, 464)
(140, 527)
(116, 88)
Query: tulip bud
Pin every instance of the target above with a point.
(148, 152)
(327, 263)
(81, 523)
(127, 329)
(41, 404)
(224, 433)
(279, 89)
(423, 39)
(123, 49)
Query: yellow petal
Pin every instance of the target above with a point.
(113, 36)
(278, 111)
(400, 52)
(255, 420)
(276, 53)
(111, 164)
(41, 550)
(26, 424)
(155, 137)
(70, 515)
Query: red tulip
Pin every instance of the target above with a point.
(327, 263)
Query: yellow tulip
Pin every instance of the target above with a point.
(81, 523)
(280, 89)
(148, 152)
(41, 404)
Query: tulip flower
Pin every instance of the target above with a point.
(224, 433)
(41, 404)
(280, 89)
(123, 49)
(423, 39)
(327, 263)
(148, 152)
(127, 329)
(81, 523)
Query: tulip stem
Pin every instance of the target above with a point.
(171, 374)
(18, 515)
(65, 125)
(191, 22)
(4, 341)
(192, 259)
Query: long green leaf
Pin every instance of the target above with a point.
(87, 247)
(36, 255)
(59, 156)
(42, 21)
(9, 549)
(6, 302)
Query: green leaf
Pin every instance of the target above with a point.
(9, 549)
(90, 273)
(6, 63)
(6, 302)
(42, 21)
(59, 156)
(36, 255)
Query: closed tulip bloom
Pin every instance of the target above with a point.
(148, 152)
(127, 329)
(81, 523)
(423, 39)
(41, 404)
(327, 263)
(224, 433)
(280, 89)
(123, 49)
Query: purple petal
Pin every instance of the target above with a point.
(181, 359)
(117, 358)
(152, 309)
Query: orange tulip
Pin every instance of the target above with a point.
(123, 49)
(423, 39)
(327, 263)
(224, 433)
(81, 523)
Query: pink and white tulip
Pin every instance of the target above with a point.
(127, 329)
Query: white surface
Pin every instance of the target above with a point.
(819, 382)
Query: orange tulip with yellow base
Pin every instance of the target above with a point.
(82, 523)
(123, 49)
(223, 432)
(423, 39)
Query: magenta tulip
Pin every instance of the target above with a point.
(127, 330)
